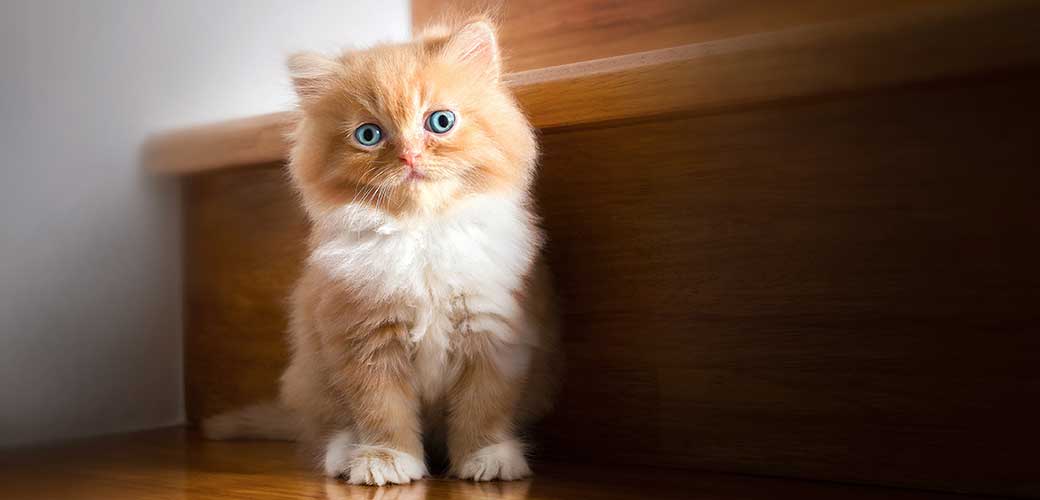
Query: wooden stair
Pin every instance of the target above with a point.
(169, 464)
(920, 45)
(803, 248)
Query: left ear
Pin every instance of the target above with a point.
(476, 45)
(312, 75)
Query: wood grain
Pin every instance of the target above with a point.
(541, 33)
(171, 463)
(233, 143)
(244, 235)
(844, 289)
(916, 45)
(962, 39)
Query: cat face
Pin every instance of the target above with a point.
(409, 128)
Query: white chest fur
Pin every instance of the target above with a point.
(432, 270)
(477, 253)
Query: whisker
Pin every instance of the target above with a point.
(378, 185)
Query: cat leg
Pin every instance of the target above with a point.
(384, 444)
(482, 442)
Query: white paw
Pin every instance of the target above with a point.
(376, 465)
(504, 461)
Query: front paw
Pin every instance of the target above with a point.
(376, 465)
(503, 461)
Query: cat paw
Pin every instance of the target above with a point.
(376, 465)
(503, 461)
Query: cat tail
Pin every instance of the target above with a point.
(270, 421)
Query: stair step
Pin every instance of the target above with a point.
(176, 463)
(959, 38)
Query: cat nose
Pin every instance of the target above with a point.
(409, 158)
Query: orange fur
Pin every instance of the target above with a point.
(461, 345)
(396, 85)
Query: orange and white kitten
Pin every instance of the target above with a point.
(424, 308)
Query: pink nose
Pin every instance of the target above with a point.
(409, 158)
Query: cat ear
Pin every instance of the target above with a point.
(476, 44)
(312, 74)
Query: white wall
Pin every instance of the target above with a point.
(90, 337)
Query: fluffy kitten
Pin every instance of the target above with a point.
(423, 308)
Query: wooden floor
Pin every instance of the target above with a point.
(177, 464)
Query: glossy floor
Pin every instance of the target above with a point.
(175, 464)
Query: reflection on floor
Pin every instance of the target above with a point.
(177, 464)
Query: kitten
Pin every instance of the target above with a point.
(424, 308)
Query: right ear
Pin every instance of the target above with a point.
(312, 74)
(476, 44)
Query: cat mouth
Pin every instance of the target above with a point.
(415, 176)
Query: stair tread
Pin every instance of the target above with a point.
(955, 39)
(177, 463)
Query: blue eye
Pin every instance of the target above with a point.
(440, 122)
(368, 134)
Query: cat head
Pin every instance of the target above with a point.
(409, 128)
